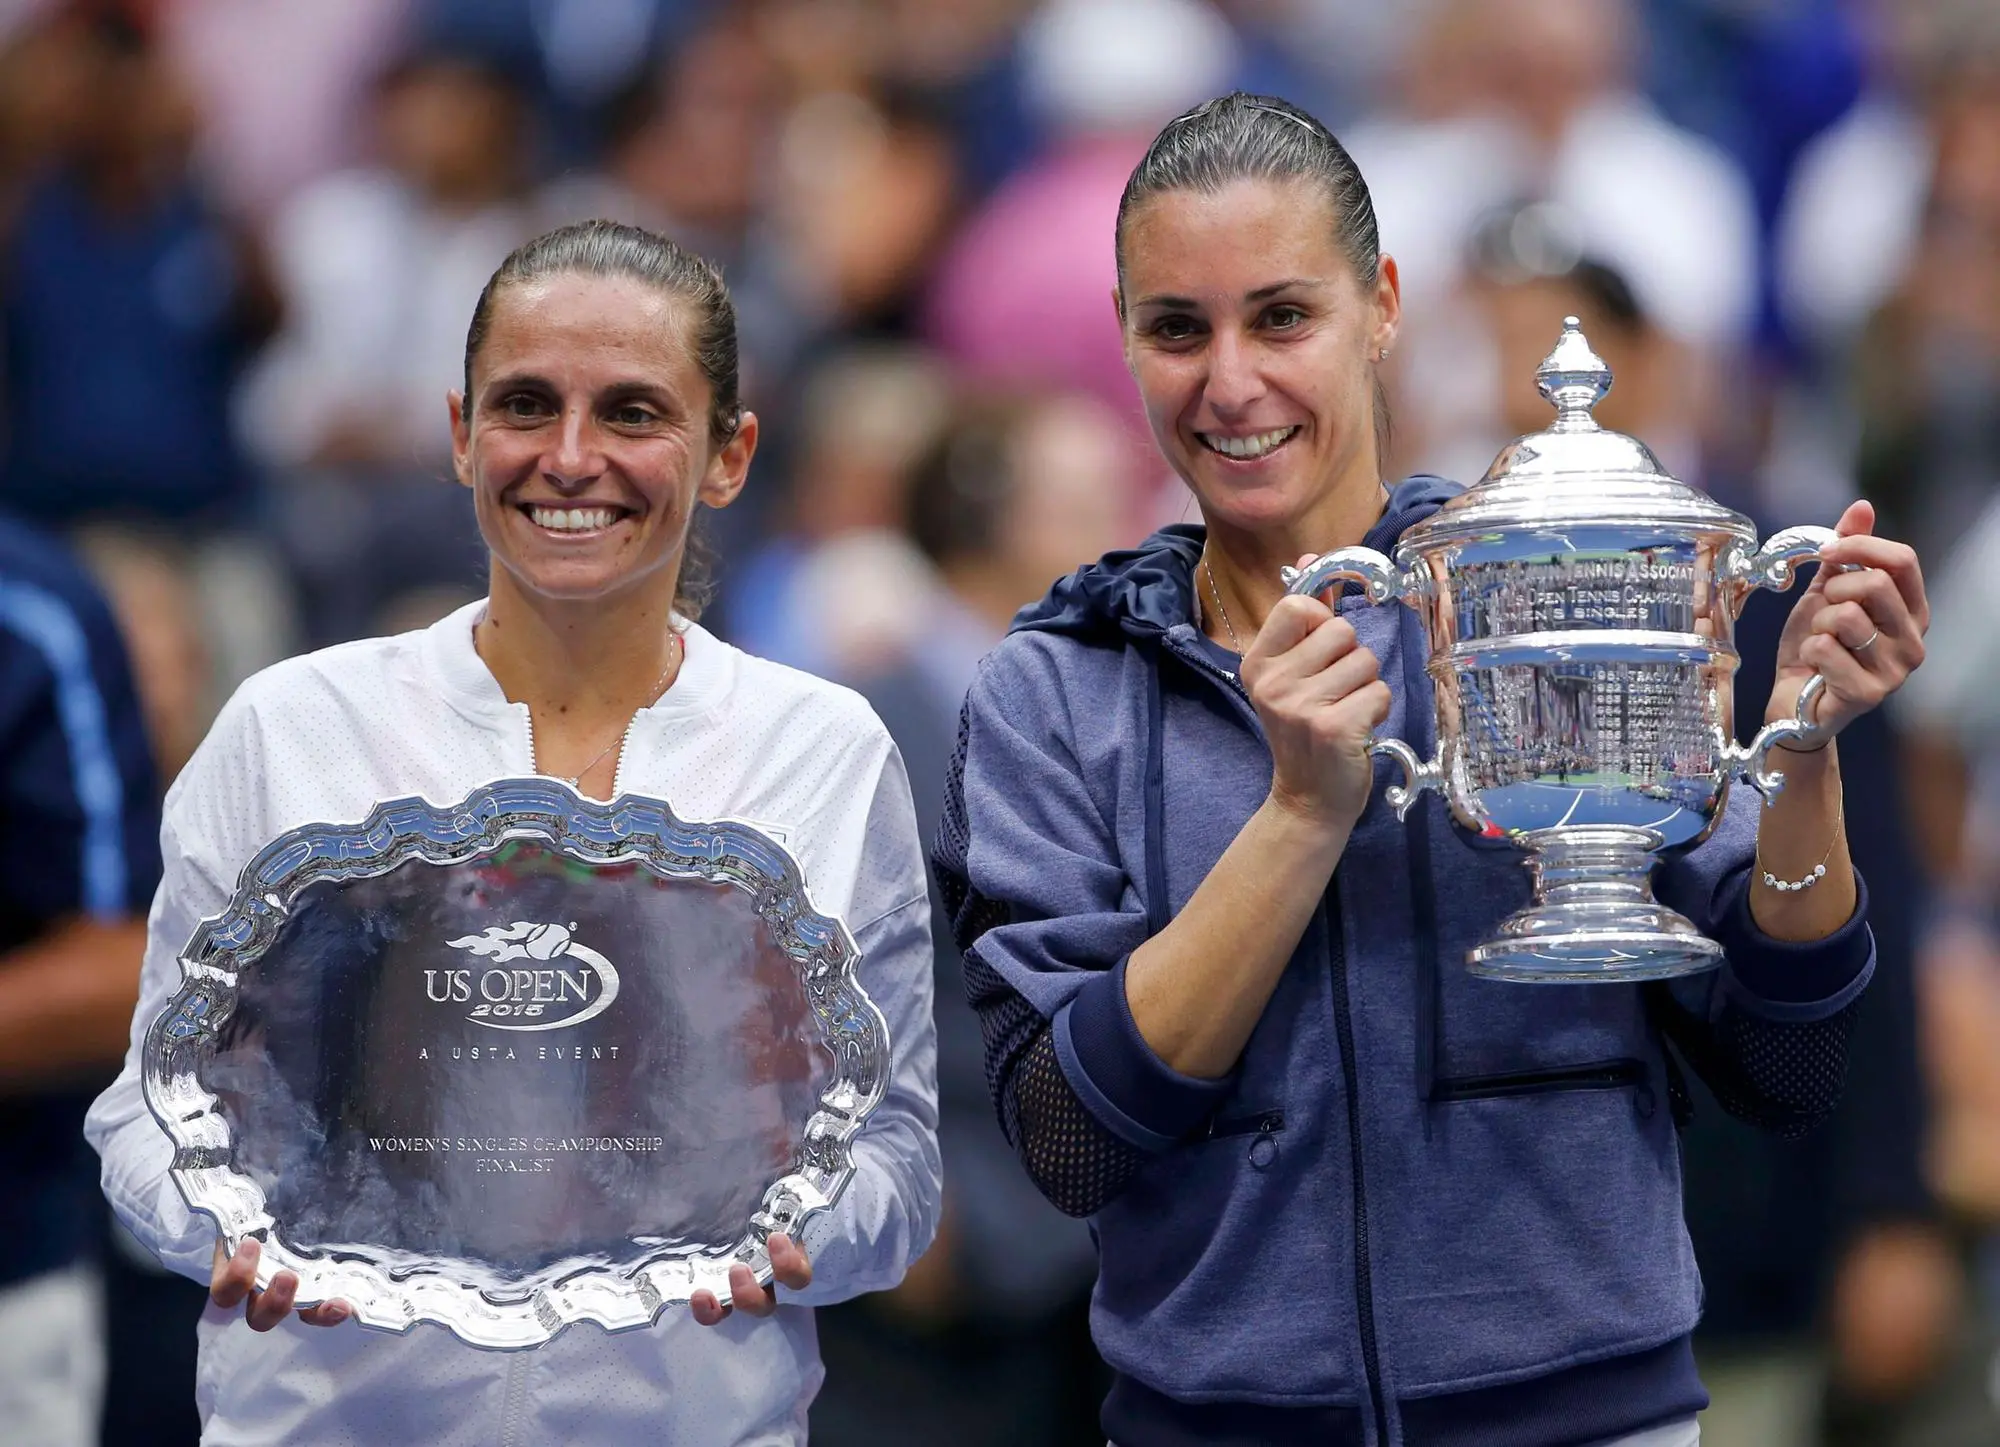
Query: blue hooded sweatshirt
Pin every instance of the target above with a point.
(1423, 1208)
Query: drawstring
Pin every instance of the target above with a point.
(1418, 724)
(1157, 914)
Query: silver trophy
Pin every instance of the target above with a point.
(1581, 607)
(516, 1062)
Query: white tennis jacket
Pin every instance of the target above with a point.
(326, 736)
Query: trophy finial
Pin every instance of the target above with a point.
(1574, 379)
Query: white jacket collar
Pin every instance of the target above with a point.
(706, 672)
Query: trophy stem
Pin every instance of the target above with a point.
(1593, 916)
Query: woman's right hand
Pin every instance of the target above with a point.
(234, 1281)
(1320, 697)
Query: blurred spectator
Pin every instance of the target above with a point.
(988, 1340)
(1929, 384)
(865, 415)
(380, 266)
(771, 142)
(45, 74)
(128, 303)
(573, 58)
(866, 190)
(1527, 265)
(128, 307)
(963, 61)
(146, 579)
(149, 1340)
(1336, 58)
(689, 151)
(1761, 81)
(1024, 293)
(282, 88)
(1847, 245)
(1550, 111)
(1515, 101)
(80, 802)
(1854, 209)
(1926, 372)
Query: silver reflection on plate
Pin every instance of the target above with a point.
(1581, 609)
(516, 1062)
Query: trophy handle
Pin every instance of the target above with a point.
(1418, 775)
(1771, 566)
(1752, 761)
(1381, 580)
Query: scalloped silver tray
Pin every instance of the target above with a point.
(516, 1062)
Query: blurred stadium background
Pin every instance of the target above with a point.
(240, 241)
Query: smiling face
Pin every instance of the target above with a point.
(586, 440)
(1253, 344)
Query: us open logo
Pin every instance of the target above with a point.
(542, 994)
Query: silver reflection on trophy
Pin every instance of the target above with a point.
(1581, 605)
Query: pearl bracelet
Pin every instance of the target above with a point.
(1818, 870)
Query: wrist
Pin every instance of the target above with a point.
(1783, 707)
(1817, 746)
(1304, 825)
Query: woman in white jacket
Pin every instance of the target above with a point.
(600, 407)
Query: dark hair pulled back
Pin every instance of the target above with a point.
(611, 248)
(1239, 137)
(1246, 137)
(614, 249)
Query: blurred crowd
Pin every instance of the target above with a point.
(240, 243)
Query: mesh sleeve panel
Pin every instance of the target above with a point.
(1009, 1025)
(1781, 1077)
(1072, 1159)
(970, 914)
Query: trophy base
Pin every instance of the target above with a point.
(1593, 917)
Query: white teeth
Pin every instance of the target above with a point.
(1247, 447)
(572, 519)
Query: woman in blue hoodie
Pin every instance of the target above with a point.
(1343, 1191)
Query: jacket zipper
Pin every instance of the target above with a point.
(513, 1397)
(1598, 1075)
(1364, 1281)
(617, 769)
(1343, 1025)
(624, 748)
(1264, 1122)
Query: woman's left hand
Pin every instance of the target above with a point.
(1863, 630)
(789, 1268)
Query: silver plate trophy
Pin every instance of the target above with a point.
(516, 1062)
(1581, 607)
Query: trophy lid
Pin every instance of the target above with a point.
(1575, 472)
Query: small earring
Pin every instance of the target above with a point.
(1383, 355)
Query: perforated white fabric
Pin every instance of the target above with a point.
(324, 738)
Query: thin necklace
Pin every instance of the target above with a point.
(1220, 611)
(575, 781)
